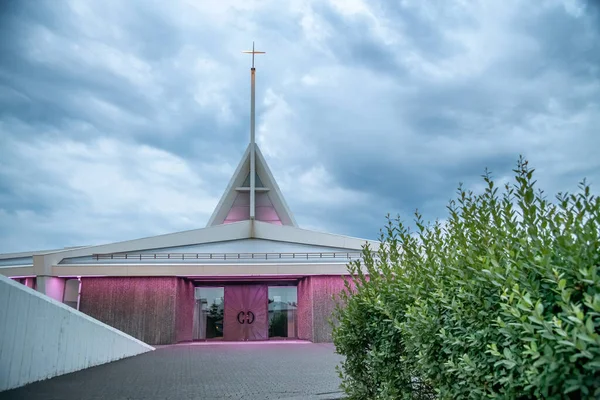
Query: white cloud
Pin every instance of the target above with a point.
(104, 188)
(276, 132)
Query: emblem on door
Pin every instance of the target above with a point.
(245, 317)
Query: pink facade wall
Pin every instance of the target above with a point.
(51, 286)
(240, 210)
(316, 304)
(30, 282)
(305, 310)
(159, 310)
(184, 310)
(152, 309)
(323, 290)
(264, 209)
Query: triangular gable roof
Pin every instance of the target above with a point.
(234, 205)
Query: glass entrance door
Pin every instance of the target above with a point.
(208, 313)
(283, 318)
(246, 313)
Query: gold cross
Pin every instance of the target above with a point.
(253, 52)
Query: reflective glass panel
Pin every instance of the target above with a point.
(208, 313)
(283, 303)
(71, 293)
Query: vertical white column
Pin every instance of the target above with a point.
(252, 144)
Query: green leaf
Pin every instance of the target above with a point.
(539, 308)
(567, 343)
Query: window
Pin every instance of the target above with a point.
(283, 304)
(71, 295)
(208, 313)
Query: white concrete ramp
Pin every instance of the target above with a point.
(41, 338)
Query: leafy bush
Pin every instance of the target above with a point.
(501, 300)
(373, 365)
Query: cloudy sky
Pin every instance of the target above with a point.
(124, 119)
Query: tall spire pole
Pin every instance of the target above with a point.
(252, 133)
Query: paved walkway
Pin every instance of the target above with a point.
(202, 371)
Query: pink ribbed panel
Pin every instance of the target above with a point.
(305, 310)
(156, 310)
(323, 289)
(185, 310)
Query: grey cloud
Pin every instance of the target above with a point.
(380, 158)
(354, 44)
(398, 124)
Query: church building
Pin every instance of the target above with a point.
(251, 274)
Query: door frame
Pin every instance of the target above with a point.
(263, 282)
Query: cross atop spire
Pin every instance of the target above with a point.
(253, 52)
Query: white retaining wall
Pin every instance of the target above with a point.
(41, 338)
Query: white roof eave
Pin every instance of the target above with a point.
(220, 233)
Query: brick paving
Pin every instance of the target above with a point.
(268, 370)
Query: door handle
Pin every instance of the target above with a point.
(244, 317)
(240, 317)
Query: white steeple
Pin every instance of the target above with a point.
(252, 134)
(252, 193)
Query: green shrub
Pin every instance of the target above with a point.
(501, 300)
(364, 334)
